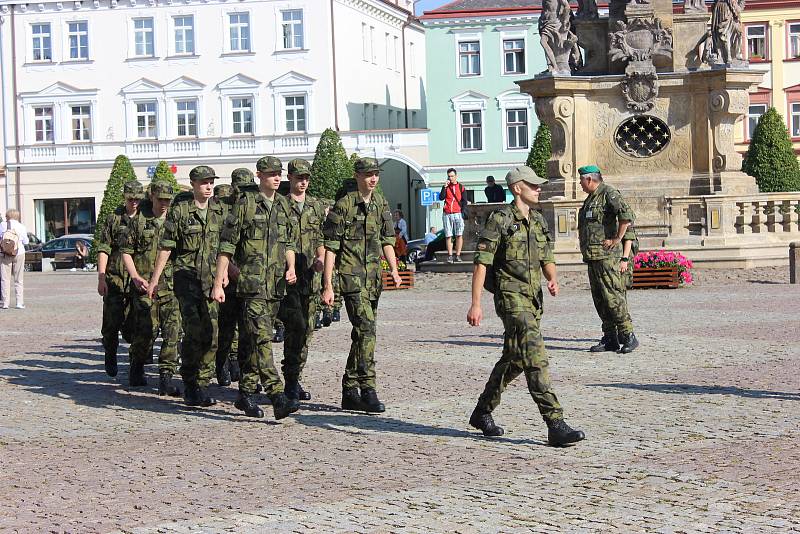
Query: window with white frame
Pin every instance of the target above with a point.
(754, 113)
(757, 42)
(794, 40)
(471, 130)
(146, 120)
(239, 26)
(187, 118)
(388, 50)
(184, 34)
(292, 29)
(795, 111)
(78, 37)
(396, 51)
(42, 47)
(295, 113)
(373, 53)
(365, 53)
(143, 38)
(242, 115)
(469, 58)
(81, 122)
(514, 56)
(517, 129)
(43, 124)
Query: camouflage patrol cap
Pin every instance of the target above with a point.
(241, 176)
(162, 190)
(366, 165)
(269, 164)
(299, 166)
(524, 174)
(133, 190)
(202, 172)
(223, 190)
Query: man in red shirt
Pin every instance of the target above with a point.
(452, 195)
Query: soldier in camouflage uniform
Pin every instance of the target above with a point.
(260, 236)
(227, 343)
(606, 237)
(162, 312)
(112, 279)
(299, 307)
(357, 231)
(191, 237)
(512, 252)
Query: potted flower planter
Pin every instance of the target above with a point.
(406, 277)
(644, 277)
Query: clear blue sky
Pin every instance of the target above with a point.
(427, 5)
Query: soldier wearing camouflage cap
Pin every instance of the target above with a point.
(513, 251)
(242, 177)
(223, 191)
(112, 278)
(191, 238)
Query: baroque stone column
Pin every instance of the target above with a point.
(558, 113)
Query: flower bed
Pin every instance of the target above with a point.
(661, 268)
(406, 276)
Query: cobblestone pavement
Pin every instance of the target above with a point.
(697, 431)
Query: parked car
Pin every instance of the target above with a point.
(418, 251)
(62, 249)
(33, 253)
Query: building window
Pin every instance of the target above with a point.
(78, 36)
(43, 124)
(187, 118)
(65, 216)
(184, 35)
(517, 128)
(146, 120)
(514, 56)
(795, 111)
(373, 55)
(81, 123)
(293, 28)
(794, 40)
(242, 109)
(365, 54)
(754, 113)
(143, 37)
(471, 130)
(240, 32)
(757, 42)
(412, 71)
(469, 55)
(42, 46)
(295, 113)
(388, 50)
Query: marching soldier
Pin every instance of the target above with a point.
(357, 230)
(191, 237)
(112, 279)
(161, 312)
(512, 252)
(606, 239)
(259, 235)
(227, 345)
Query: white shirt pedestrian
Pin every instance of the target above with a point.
(12, 267)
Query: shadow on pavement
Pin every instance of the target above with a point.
(689, 389)
(458, 341)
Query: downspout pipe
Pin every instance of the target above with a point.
(333, 62)
(3, 104)
(16, 114)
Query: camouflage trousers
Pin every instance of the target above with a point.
(610, 296)
(337, 294)
(229, 328)
(360, 368)
(150, 316)
(523, 352)
(199, 317)
(298, 313)
(115, 313)
(255, 360)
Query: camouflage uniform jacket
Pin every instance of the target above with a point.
(516, 248)
(357, 233)
(257, 238)
(193, 239)
(309, 227)
(144, 236)
(598, 219)
(112, 237)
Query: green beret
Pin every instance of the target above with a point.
(589, 169)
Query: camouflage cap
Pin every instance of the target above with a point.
(524, 173)
(202, 172)
(133, 190)
(162, 190)
(223, 190)
(366, 165)
(299, 166)
(241, 176)
(269, 164)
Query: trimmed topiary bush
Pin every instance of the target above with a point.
(541, 150)
(331, 166)
(771, 159)
(121, 172)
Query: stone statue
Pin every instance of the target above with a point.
(556, 36)
(587, 10)
(726, 31)
(694, 6)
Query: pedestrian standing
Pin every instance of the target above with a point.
(453, 196)
(494, 192)
(13, 238)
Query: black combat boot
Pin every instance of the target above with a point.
(278, 336)
(136, 376)
(111, 362)
(560, 434)
(629, 342)
(327, 317)
(318, 322)
(165, 385)
(206, 400)
(607, 343)
(246, 404)
(295, 391)
(223, 373)
(198, 396)
(484, 422)
(236, 373)
(369, 399)
(351, 400)
(282, 406)
(336, 316)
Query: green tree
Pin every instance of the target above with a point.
(121, 172)
(163, 172)
(331, 166)
(541, 151)
(771, 159)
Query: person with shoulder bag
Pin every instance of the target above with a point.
(13, 238)
(453, 196)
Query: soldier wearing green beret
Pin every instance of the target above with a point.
(112, 279)
(260, 237)
(161, 312)
(512, 252)
(191, 238)
(606, 238)
(357, 231)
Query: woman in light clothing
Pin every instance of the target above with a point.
(12, 267)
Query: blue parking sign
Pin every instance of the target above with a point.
(428, 196)
(151, 171)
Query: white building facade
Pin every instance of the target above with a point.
(193, 82)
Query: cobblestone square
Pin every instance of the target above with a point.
(696, 431)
